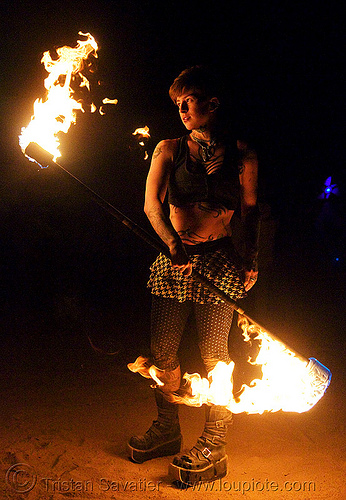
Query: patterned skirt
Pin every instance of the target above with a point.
(215, 260)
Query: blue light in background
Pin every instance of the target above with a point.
(328, 189)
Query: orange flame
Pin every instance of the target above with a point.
(107, 101)
(288, 383)
(143, 367)
(143, 133)
(57, 111)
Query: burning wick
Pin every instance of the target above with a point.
(57, 111)
(289, 382)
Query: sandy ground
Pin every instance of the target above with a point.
(67, 412)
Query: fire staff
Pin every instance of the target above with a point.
(205, 174)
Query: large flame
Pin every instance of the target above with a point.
(57, 110)
(288, 381)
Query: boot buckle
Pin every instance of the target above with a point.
(206, 453)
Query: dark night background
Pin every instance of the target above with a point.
(67, 270)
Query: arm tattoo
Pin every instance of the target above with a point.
(162, 225)
(251, 231)
(241, 167)
(157, 152)
(245, 155)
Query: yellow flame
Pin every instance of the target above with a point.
(142, 132)
(143, 367)
(107, 101)
(110, 101)
(288, 382)
(57, 110)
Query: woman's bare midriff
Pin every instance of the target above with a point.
(201, 221)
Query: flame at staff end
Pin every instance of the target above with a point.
(289, 382)
(57, 111)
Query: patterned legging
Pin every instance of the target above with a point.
(168, 320)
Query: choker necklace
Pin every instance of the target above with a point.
(206, 150)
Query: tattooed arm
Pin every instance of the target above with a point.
(156, 188)
(249, 212)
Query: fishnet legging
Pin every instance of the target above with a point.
(168, 320)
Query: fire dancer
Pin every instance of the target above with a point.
(206, 174)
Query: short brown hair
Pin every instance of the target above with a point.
(197, 78)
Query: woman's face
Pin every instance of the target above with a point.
(194, 110)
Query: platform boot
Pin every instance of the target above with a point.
(163, 438)
(207, 460)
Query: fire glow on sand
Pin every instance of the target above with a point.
(289, 382)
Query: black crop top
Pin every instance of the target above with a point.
(190, 183)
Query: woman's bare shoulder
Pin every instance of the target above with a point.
(167, 148)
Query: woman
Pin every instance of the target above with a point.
(206, 174)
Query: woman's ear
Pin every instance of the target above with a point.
(214, 103)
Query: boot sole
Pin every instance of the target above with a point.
(162, 450)
(190, 477)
